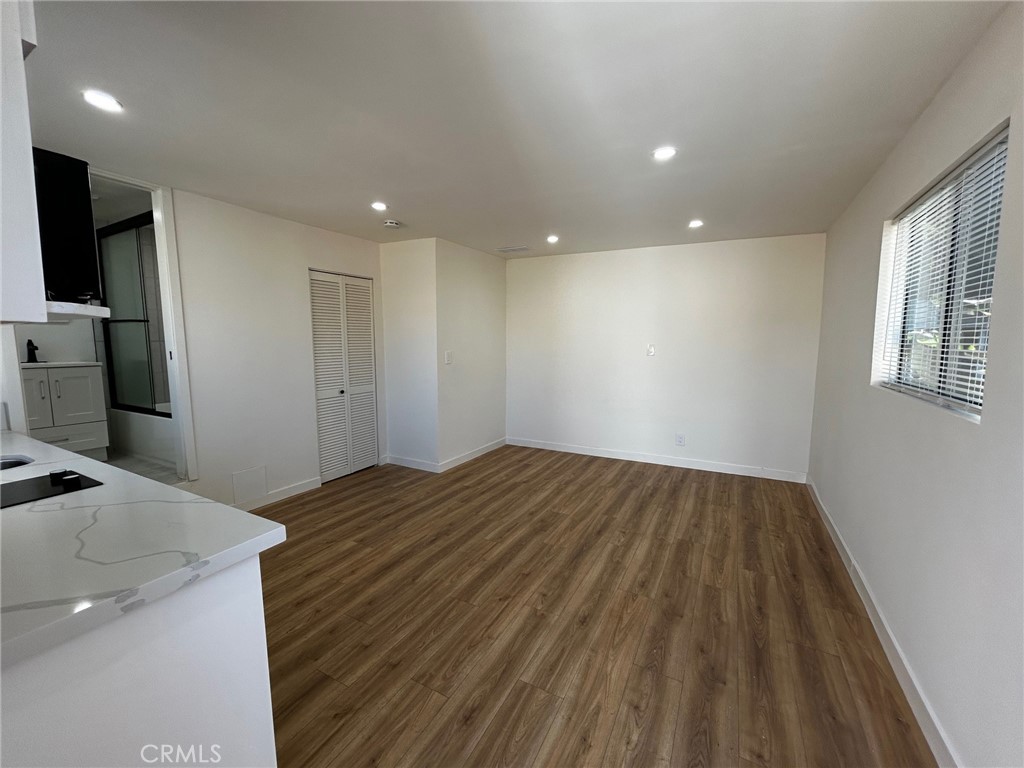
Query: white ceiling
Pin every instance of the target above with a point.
(113, 201)
(495, 124)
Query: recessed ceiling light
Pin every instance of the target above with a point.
(379, 206)
(696, 223)
(552, 239)
(102, 100)
(661, 154)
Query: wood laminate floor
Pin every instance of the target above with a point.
(548, 609)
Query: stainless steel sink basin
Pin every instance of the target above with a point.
(10, 461)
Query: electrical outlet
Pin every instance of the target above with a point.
(680, 439)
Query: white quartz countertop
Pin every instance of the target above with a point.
(72, 562)
(58, 365)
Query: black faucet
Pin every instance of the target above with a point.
(31, 352)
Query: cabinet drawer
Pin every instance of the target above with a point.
(75, 437)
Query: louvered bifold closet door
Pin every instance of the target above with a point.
(332, 421)
(362, 378)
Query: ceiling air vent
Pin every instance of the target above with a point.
(513, 249)
(392, 224)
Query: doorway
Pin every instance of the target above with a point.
(141, 345)
(344, 372)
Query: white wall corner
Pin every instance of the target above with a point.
(12, 396)
(469, 455)
(280, 494)
(933, 731)
(669, 461)
(401, 461)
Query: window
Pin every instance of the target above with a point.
(934, 341)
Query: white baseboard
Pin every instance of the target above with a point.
(401, 461)
(647, 458)
(446, 465)
(936, 735)
(280, 494)
(434, 466)
(672, 461)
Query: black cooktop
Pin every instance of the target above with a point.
(56, 483)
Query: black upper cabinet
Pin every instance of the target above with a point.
(66, 230)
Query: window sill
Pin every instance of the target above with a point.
(962, 412)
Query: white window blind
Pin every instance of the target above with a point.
(940, 301)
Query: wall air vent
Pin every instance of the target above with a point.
(512, 249)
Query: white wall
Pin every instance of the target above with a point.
(71, 342)
(409, 280)
(439, 296)
(470, 324)
(140, 434)
(12, 399)
(928, 503)
(245, 291)
(735, 329)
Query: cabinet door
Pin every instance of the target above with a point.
(76, 395)
(37, 398)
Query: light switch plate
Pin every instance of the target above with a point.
(650, 350)
(449, 357)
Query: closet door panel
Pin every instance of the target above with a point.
(328, 339)
(363, 414)
(329, 375)
(362, 378)
(332, 431)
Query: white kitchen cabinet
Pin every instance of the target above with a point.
(22, 296)
(75, 437)
(65, 405)
(27, 18)
(75, 655)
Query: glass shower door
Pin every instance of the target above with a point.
(133, 333)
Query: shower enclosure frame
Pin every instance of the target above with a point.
(133, 224)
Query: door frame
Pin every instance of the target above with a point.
(173, 317)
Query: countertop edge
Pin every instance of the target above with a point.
(100, 604)
(73, 364)
(56, 633)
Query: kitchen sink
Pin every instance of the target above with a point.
(10, 461)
